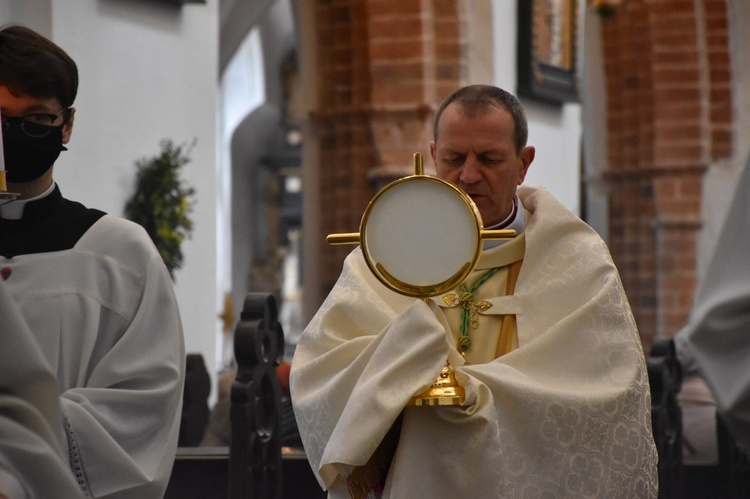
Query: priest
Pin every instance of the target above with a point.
(540, 336)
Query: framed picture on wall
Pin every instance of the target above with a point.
(547, 36)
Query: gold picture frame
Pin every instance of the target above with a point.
(547, 43)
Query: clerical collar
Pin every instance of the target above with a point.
(516, 220)
(14, 209)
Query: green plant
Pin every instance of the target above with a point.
(162, 202)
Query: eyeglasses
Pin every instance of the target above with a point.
(36, 124)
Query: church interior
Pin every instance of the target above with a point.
(298, 112)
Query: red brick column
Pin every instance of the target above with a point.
(628, 68)
(342, 128)
(379, 85)
(669, 103)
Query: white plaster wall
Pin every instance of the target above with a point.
(37, 12)
(148, 72)
(554, 131)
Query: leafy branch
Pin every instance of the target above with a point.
(162, 202)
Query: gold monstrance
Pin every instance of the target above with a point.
(421, 237)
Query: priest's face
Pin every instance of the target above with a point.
(475, 152)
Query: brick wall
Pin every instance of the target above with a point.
(669, 116)
(720, 78)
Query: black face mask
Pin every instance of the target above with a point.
(27, 158)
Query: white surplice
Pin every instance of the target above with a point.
(105, 320)
(566, 414)
(31, 435)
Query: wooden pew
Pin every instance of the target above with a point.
(734, 464)
(665, 379)
(203, 473)
(254, 466)
(728, 479)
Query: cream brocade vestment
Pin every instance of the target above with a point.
(566, 414)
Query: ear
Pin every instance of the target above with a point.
(432, 152)
(526, 158)
(68, 127)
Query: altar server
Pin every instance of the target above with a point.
(95, 303)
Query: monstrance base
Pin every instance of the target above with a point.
(445, 391)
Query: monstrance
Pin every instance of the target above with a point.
(421, 237)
